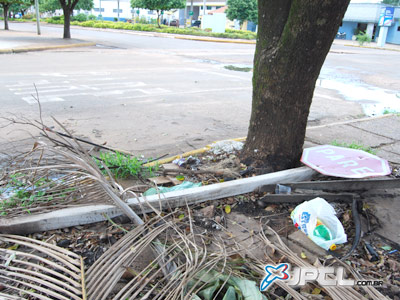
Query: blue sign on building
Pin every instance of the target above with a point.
(386, 16)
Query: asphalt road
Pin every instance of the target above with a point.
(153, 95)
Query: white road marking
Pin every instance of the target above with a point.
(31, 100)
(30, 83)
(219, 74)
(191, 92)
(49, 91)
(54, 74)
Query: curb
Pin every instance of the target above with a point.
(42, 48)
(368, 47)
(186, 154)
(252, 42)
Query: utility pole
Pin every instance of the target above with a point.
(204, 7)
(37, 16)
(100, 10)
(191, 12)
(118, 11)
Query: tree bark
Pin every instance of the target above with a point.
(67, 23)
(294, 37)
(5, 11)
(68, 8)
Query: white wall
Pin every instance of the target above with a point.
(216, 22)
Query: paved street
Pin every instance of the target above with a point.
(154, 95)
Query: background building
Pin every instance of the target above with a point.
(365, 17)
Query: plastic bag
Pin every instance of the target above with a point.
(184, 185)
(317, 219)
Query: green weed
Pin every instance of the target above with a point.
(389, 111)
(240, 69)
(354, 145)
(20, 193)
(123, 166)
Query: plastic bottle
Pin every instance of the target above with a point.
(323, 232)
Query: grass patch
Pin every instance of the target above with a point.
(390, 111)
(239, 69)
(124, 166)
(354, 145)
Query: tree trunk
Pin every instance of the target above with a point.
(158, 19)
(294, 37)
(67, 21)
(5, 10)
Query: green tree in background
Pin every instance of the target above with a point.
(68, 7)
(242, 10)
(53, 5)
(392, 2)
(5, 5)
(158, 5)
(21, 6)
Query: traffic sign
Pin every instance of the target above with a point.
(191, 13)
(344, 162)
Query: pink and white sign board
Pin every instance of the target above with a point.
(344, 162)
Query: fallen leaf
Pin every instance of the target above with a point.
(303, 255)
(13, 247)
(181, 217)
(387, 248)
(180, 177)
(316, 291)
(228, 209)
(230, 234)
(346, 217)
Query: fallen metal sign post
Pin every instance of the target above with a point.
(340, 185)
(281, 198)
(95, 213)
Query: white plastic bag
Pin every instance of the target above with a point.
(306, 215)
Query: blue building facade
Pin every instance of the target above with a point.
(365, 17)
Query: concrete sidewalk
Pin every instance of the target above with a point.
(12, 41)
(381, 133)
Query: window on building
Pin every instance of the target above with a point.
(150, 12)
(116, 10)
(98, 9)
(209, 7)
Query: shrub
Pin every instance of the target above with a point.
(362, 38)
(28, 16)
(80, 18)
(87, 24)
(142, 20)
(91, 17)
(57, 18)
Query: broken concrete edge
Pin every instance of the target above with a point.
(95, 213)
(42, 48)
(243, 139)
(189, 153)
(351, 121)
(369, 47)
(216, 40)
